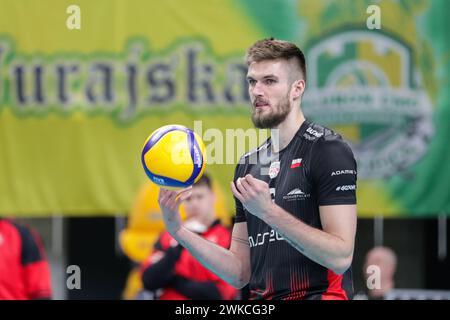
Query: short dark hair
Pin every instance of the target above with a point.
(205, 180)
(270, 49)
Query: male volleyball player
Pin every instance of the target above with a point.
(295, 224)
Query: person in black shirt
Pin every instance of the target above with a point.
(295, 195)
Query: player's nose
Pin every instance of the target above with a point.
(256, 90)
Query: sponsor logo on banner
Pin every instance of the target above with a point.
(123, 85)
(366, 85)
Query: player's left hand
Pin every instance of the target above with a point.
(254, 195)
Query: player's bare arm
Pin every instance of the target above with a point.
(232, 265)
(331, 247)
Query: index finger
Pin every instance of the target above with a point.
(187, 189)
(236, 192)
(254, 181)
(251, 180)
(184, 192)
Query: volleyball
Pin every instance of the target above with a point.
(173, 157)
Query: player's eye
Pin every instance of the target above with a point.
(251, 82)
(270, 81)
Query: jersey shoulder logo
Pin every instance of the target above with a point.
(315, 131)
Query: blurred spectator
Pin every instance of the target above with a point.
(24, 270)
(143, 229)
(386, 260)
(171, 272)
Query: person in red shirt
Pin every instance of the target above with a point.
(24, 270)
(171, 272)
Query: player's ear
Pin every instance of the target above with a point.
(298, 87)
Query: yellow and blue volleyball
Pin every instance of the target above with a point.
(173, 157)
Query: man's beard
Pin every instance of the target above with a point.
(271, 119)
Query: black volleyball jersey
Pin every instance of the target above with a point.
(316, 168)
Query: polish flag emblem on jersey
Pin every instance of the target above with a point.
(296, 163)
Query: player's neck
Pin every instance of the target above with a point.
(285, 131)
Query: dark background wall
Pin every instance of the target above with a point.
(91, 243)
(415, 242)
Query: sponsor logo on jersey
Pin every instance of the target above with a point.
(266, 237)
(296, 163)
(296, 194)
(274, 169)
(346, 187)
(308, 137)
(313, 132)
(295, 191)
(339, 172)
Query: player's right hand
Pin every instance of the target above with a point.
(169, 202)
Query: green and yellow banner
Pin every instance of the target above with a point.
(83, 83)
